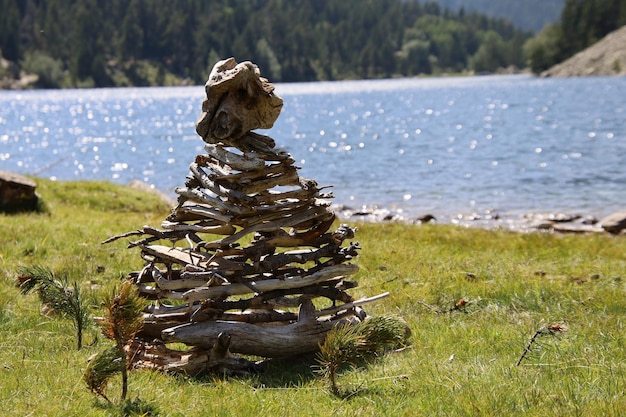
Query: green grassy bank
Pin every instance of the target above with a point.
(461, 361)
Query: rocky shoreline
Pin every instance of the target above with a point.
(614, 223)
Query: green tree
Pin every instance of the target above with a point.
(542, 51)
(491, 54)
(10, 30)
(49, 70)
(268, 59)
(56, 38)
(131, 42)
(85, 38)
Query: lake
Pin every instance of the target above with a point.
(463, 147)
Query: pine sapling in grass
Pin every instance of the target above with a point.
(57, 296)
(353, 344)
(121, 320)
(101, 367)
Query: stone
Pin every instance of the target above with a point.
(238, 100)
(426, 218)
(614, 223)
(17, 193)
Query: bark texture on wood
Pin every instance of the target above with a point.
(275, 341)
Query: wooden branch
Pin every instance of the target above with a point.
(257, 316)
(236, 162)
(264, 147)
(195, 362)
(287, 177)
(152, 292)
(199, 196)
(199, 228)
(231, 179)
(304, 336)
(176, 284)
(203, 178)
(169, 255)
(156, 234)
(204, 212)
(286, 221)
(272, 197)
(223, 291)
(302, 256)
(278, 298)
(127, 234)
(347, 306)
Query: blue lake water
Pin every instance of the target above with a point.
(446, 146)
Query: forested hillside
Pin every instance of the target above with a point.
(74, 43)
(582, 23)
(530, 15)
(158, 42)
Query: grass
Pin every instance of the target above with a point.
(462, 361)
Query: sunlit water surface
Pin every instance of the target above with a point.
(446, 146)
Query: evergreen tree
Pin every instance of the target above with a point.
(10, 46)
(131, 42)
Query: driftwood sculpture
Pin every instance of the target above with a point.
(247, 257)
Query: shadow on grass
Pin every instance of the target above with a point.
(288, 372)
(127, 408)
(293, 373)
(270, 373)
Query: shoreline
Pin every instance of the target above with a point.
(535, 221)
(561, 222)
(531, 221)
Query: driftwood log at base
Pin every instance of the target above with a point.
(272, 340)
(196, 361)
(247, 261)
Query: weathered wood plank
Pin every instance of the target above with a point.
(304, 336)
(222, 291)
(244, 162)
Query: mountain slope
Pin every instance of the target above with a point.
(605, 57)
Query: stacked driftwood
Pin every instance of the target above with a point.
(246, 262)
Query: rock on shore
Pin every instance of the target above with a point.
(17, 193)
(606, 57)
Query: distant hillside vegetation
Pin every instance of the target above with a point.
(582, 24)
(606, 57)
(530, 15)
(85, 43)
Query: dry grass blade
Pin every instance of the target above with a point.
(548, 330)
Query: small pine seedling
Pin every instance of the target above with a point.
(57, 296)
(352, 344)
(121, 321)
